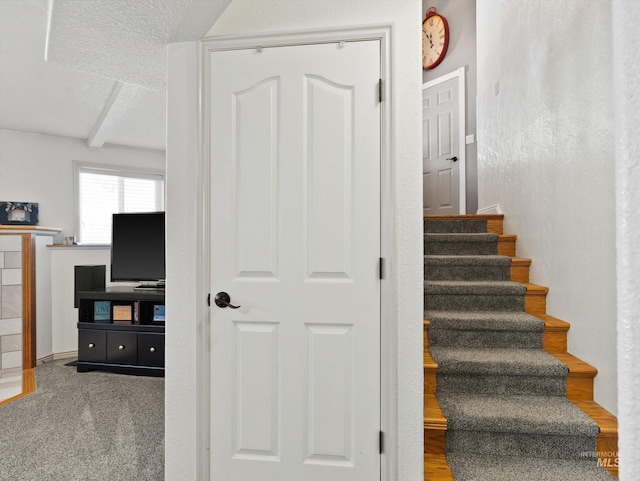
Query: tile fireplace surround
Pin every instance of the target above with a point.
(10, 306)
(18, 306)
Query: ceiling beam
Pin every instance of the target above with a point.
(121, 98)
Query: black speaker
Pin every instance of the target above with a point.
(88, 278)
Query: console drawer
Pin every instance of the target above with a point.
(92, 346)
(151, 349)
(122, 347)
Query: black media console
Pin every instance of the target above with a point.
(121, 329)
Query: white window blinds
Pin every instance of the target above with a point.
(105, 192)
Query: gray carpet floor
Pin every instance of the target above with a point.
(90, 426)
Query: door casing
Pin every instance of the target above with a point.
(388, 348)
(460, 75)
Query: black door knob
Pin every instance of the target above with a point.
(223, 300)
(454, 159)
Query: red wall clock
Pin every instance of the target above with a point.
(435, 39)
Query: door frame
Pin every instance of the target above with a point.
(388, 299)
(462, 145)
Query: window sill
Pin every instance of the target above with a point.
(81, 246)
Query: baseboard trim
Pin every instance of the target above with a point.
(492, 209)
(57, 356)
(44, 359)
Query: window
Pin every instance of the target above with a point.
(105, 191)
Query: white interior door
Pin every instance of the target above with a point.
(441, 157)
(295, 241)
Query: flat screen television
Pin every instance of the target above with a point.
(137, 248)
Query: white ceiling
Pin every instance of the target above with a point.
(103, 79)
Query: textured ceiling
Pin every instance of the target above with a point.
(104, 78)
(125, 39)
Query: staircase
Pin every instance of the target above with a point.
(504, 400)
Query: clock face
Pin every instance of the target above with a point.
(435, 40)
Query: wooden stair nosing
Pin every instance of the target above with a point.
(576, 366)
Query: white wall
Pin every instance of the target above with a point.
(461, 17)
(39, 168)
(183, 371)
(626, 16)
(545, 154)
(64, 316)
(249, 16)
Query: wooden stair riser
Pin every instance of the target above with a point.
(434, 441)
(535, 300)
(520, 269)
(507, 245)
(555, 340)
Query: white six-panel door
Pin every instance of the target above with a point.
(440, 145)
(295, 241)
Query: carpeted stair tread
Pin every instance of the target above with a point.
(461, 238)
(474, 296)
(465, 467)
(471, 288)
(467, 267)
(454, 225)
(517, 362)
(468, 260)
(490, 329)
(461, 244)
(483, 320)
(544, 415)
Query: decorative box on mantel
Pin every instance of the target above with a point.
(18, 213)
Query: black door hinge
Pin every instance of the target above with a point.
(209, 299)
(380, 90)
(381, 268)
(381, 441)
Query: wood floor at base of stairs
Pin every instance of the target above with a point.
(436, 468)
(607, 443)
